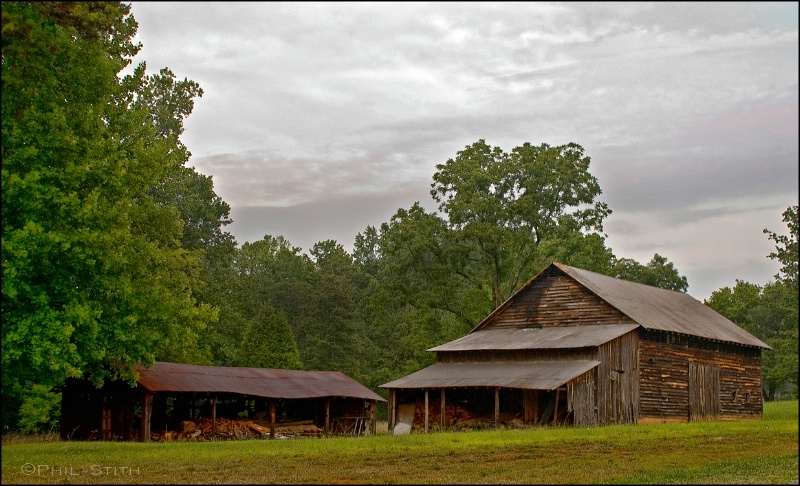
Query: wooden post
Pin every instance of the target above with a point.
(271, 418)
(327, 416)
(426, 410)
(373, 427)
(146, 412)
(555, 408)
(391, 405)
(496, 406)
(214, 415)
(442, 410)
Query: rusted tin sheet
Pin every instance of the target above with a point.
(541, 375)
(257, 382)
(665, 310)
(566, 337)
(652, 307)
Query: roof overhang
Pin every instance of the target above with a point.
(257, 382)
(541, 375)
(557, 337)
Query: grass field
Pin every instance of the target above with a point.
(744, 452)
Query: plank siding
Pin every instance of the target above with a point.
(556, 301)
(607, 395)
(664, 376)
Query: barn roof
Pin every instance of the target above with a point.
(651, 307)
(538, 338)
(543, 375)
(257, 382)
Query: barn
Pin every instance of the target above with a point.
(256, 401)
(574, 347)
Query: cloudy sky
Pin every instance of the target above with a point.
(319, 119)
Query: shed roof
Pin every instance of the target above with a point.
(542, 375)
(538, 338)
(652, 307)
(257, 382)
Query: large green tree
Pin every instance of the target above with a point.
(95, 277)
(508, 204)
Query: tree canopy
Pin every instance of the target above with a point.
(95, 276)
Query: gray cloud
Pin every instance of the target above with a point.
(329, 116)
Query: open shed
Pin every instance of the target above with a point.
(167, 396)
(579, 348)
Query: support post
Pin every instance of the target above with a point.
(496, 406)
(146, 412)
(373, 426)
(327, 416)
(426, 410)
(271, 418)
(214, 415)
(442, 410)
(555, 409)
(391, 405)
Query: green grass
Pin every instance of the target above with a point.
(743, 452)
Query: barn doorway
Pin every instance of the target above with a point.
(703, 392)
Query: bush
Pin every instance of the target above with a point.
(40, 410)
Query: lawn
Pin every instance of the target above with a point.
(742, 452)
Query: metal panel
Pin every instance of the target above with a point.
(566, 337)
(665, 310)
(545, 375)
(652, 307)
(258, 382)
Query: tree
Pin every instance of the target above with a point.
(509, 204)
(95, 279)
(268, 341)
(657, 273)
(786, 251)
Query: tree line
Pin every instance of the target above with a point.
(115, 251)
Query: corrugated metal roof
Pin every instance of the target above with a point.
(652, 307)
(257, 382)
(538, 338)
(661, 309)
(541, 375)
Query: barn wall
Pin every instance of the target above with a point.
(664, 367)
(618, 380)
(556, 301)
(609, 395)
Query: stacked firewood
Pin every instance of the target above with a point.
(457, 417)
(453, 414)
(204, 429)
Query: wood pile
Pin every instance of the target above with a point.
(202, 430)
(457, 417)
(453, 414)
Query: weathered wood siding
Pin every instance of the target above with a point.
(556, 301)
(608, 395)
(664, 368)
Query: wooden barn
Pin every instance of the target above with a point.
(172, 401)
(579, 348)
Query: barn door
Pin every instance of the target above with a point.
(703, 392)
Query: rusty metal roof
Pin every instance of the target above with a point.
(661, 309)
(538, 338)
(540, 375)
(651, 307)
(257, 382)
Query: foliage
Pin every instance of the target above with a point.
(40, 410)
(657, 273)
(506, 205)
(268, 342)
(95, 278)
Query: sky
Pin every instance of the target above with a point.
(320, 119)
